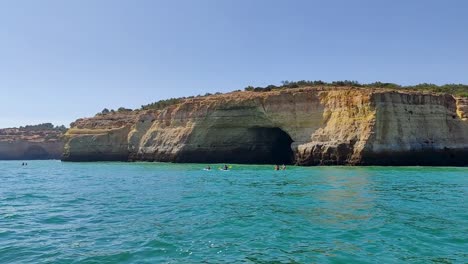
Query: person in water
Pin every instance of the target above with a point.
(225, 167)
(283, 167)
(208, 167)
(277, 167)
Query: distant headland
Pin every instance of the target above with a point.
(42, 141)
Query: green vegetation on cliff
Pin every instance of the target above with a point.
(161, 104)
(42, 127)
(455, 89)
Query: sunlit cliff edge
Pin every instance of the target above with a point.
(304, 126)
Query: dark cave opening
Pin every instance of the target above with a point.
(253, 145)
(36, 152)
(270, 146)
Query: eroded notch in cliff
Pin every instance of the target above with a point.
(248, 145)
(36, 152)
(271, 145)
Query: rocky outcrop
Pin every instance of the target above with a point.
(29, 144)
(307, 126)
(102, 138)
(462, 108)
(417, 129)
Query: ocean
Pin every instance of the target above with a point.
(110, 212)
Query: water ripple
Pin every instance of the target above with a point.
(54, 212)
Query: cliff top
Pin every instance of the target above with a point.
(459, 90)
(110, 119)
(32, 133)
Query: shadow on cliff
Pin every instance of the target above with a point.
(36, 153)
(253, 145)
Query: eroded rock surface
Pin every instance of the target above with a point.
(307, 126)
(22, 144)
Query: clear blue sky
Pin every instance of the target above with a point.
(61, 60)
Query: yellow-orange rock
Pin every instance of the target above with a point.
(307, 126)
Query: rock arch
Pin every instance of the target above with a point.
(36, 152)
(247, 145)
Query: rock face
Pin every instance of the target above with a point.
(102, 138)
(19, 144)
(307, 126)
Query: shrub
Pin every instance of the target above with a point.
(123, 109)
(249, 88)
(162, 103)
(43, 126)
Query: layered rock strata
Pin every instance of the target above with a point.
(307, 126)
(18, 144)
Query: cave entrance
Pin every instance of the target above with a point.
(270, 145)
(251, 145)
(36, 152)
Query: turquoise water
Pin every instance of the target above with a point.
(53, 212)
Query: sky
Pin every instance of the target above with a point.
(62, 60)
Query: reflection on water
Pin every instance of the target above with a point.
(342, 197)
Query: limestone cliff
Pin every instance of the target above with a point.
(307, 126)
(102, 138)
(30, 144)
